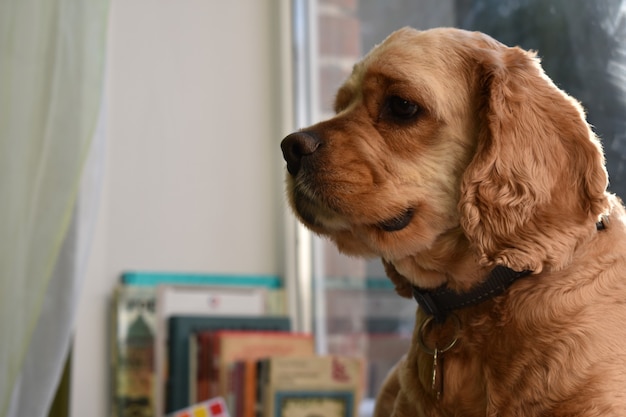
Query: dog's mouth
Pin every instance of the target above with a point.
(399, 222)
(316, 216)
(322, 215)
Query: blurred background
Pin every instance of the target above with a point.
(144, 135)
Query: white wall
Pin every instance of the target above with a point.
(195, 110)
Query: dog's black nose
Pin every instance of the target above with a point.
(296, 146)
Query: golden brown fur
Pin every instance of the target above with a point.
(496, 166)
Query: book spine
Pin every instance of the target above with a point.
(262, 375)
(250, 388)
(204, 367)
(133, 350)
(194, 352)
(216, 351)
(153, 279)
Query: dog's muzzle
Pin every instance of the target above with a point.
(298, 146)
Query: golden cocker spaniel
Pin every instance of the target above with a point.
(479, 183)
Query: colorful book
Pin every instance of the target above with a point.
(243, 387)
(145, 284)
(231, 346)
(329, 386)
(205, 300)
(132, 349)
(180, 328)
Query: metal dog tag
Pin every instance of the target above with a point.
(437, 354)
(437, 375)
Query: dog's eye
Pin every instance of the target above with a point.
(402, 109)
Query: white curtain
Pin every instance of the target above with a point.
(52, 56)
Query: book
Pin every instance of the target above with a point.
(242, 387)
(273, 283)
(330, 385)
(132, 349)
(145, 284)
(214, 407)
(247, 393)
(201, 384)
(180, 328)
(207, 300)
(152, 279)
(314, 403)
(231, 346)
(235, 398)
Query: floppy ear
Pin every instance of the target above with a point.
(537, 181)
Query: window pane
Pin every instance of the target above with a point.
(582, 44)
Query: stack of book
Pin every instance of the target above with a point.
(179, 340)
(329, 386)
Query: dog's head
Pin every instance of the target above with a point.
(448, 143)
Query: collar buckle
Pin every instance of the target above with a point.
(426, 301)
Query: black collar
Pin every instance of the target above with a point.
(441, 301)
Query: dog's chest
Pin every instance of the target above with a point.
(503, 369)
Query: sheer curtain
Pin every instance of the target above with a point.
(51, 74)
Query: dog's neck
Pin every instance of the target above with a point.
(441, 302)
(450, 261)
(450, 277)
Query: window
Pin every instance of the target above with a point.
(582, 45)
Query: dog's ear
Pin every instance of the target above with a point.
(402, 285)
(537, 177)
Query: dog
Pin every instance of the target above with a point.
(483, 189)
